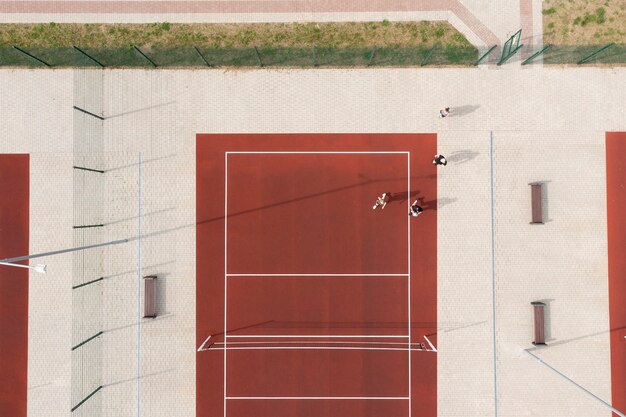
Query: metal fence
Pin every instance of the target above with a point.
(87, 273)
(133, 56)
(302, 57)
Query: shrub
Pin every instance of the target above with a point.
(589, 18)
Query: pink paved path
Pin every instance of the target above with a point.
(304, 6)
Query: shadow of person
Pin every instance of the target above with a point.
(461, 157)
(401, 196)
(463, 110)
(435, 204)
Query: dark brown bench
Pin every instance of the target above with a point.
(150, 296)
(538, 312)
(535, 196)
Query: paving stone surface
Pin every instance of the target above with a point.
(524, 126)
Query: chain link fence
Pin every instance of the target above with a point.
(87, 272)
(302, 57)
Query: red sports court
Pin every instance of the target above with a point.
(309, 302)
(14, 217)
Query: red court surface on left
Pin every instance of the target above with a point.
(14, 209)
(325, 302)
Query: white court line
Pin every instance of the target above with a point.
(226, 275)
(403, 349)
(225, 265)
(431, 345)
(317, 275)
(313, 342)
(316, 152)
(317, 398)
(310, 342)
(408, 200)
(203, 344)
(305, 336)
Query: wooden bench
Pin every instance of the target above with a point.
(150, 296)
(535, 195)
(538, 310)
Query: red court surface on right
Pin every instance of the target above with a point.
(616, 223)
(310, 302)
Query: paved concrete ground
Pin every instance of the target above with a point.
(538, 124)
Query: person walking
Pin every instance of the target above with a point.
(444, 112)
(440, 160)
(416, 209)
(382, 201)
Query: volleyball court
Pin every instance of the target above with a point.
(309, 302)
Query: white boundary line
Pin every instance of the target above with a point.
(316, 152)
(226, 275)
(312, 342)
(139, 286)
(402, 349)
(317, 398)
(305, 336)
(431, 345)
(408, 200)
(317, 275)
(323, 345)
(225, 266)
(203, 344)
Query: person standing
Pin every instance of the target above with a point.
(382, 201)
(444, 112)
(416, 209)
(440, 160)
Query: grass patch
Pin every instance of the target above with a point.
(279, 44)
(578, 23)
(589, 18)
(167, 35)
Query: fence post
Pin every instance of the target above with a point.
(32, 56)
(88, 169)
(427, 57)
(145, 56)
(588, 57)
(88, 112)
(202, 57)
(258, 56)
(536, 54)
(88, 56)
(372, 54)
(485, 54)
